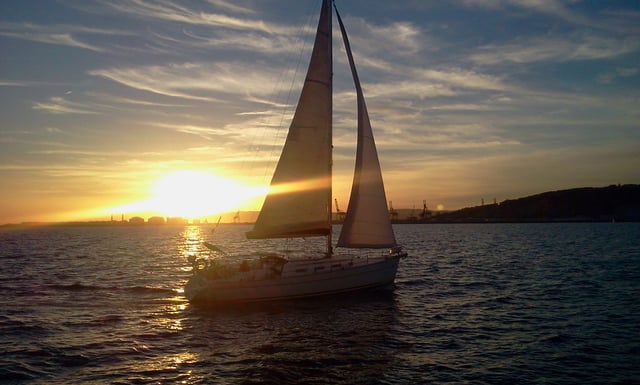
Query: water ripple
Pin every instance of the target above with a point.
(481, 304)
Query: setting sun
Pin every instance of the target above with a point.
(192, 194)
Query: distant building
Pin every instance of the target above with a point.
(177, 221)
(136, 221)
(156, 221)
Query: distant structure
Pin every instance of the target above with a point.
(177, 221)
(136, 221)
(425, 211)
(340, 214)
(393, 214)
(156, 221)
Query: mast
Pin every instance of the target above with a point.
(327, 4)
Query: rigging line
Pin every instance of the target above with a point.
(287, 108)
(258, 140)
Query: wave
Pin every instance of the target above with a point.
(133, 289)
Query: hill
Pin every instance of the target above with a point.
(611, 203)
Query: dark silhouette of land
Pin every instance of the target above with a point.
(588, 204)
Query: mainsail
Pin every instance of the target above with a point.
(299, 200)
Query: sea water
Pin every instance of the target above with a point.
(473, 304)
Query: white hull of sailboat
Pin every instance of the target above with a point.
(298, 279)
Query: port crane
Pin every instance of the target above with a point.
(340, 214)
(393, 214)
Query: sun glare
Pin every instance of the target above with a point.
(196, 194)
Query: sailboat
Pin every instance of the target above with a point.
(299, 203)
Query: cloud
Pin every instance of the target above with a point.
(135, 103)
(193, 80)
(420, 83)
(402, 37)
(230, 7)
(619, 20)
(557, 8)
(11, 83)
(53, 130)
(248, 41)
(26, 83)
(55, 34)
(562, 49)
(207, 133)
(58, 105)
(609, 76)
(173, 12)
(163, 80)
(465, 79)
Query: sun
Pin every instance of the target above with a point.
(197, 194)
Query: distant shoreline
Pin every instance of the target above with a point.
(399, 222)
(614, 203)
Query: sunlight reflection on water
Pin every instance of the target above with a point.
(192, 241)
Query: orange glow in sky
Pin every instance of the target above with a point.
(193, 194)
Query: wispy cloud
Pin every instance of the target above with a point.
(11, 83)
(176, 13)
(208, 133)
(401, 37)
(558, 8)
(28, 83)
(197, 81)
(609, 76)
(466, 79)
(620, 18)
(114, 99)
(55, 34)
(230, 6)
(58, 105)
(420, 83)
(249, 41)
(562, 49)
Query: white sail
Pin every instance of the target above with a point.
(299, 200)
(367, 223)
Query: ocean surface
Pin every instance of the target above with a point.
(473, 304)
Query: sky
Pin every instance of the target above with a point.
(141, 107)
